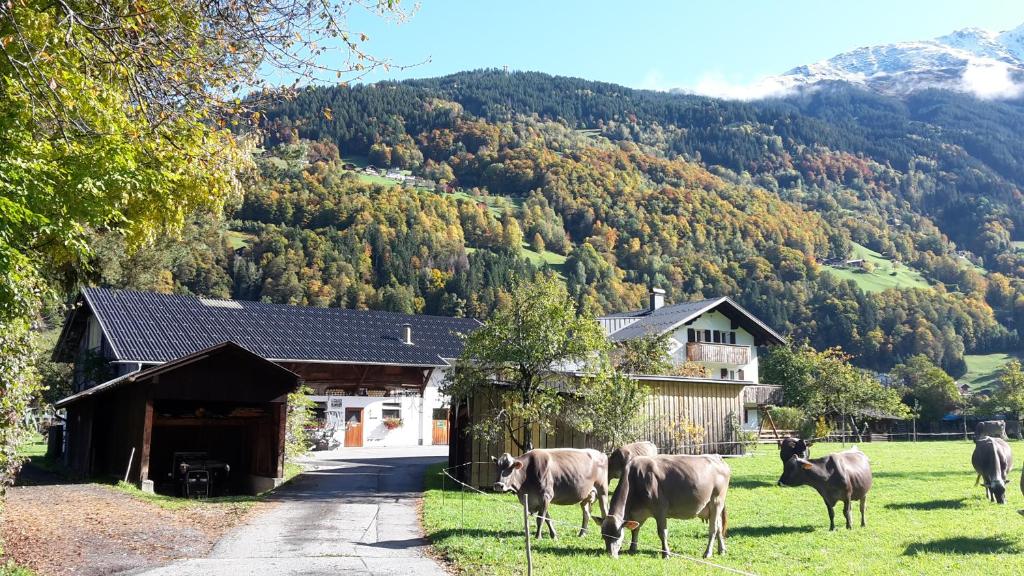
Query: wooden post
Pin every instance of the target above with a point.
(526, 534)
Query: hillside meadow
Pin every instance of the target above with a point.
(925, 516)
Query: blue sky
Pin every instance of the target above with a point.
(663, 44)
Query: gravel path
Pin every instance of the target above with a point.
(356, 512)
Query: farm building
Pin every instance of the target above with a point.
(159, 377)
(717, 334)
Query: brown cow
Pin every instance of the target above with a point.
(556, 476)
(668, 486)
(993, 460)
(993, 428)
(618, 459)
(841, 476)
(789, 446)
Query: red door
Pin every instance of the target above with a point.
(353, 427)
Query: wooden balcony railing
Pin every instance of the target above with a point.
(717, 353)
(762, 394)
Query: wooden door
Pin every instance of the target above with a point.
(353, 427)
(440, 435)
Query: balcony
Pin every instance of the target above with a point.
(717, 353)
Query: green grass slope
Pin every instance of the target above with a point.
(885, 273)
(925, 516)
(983, 369)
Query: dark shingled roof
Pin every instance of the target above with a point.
(669, 317)
(153, 327)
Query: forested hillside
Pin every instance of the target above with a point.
(615, 190)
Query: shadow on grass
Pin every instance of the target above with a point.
(473, 533)
(924, 475)
(750, 484)
(927, 505)
(964, 545)
(758, 531)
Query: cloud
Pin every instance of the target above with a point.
(654, 80)
(990, 79)
(716, 85)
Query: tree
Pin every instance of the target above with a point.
(644, 355)
(538, 362)
(116, 116)
(1010, 394)
(934, 391)
(825, 384)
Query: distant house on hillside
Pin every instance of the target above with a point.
(157, 376)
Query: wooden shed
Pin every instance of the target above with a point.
(224, 401)
(716, 406)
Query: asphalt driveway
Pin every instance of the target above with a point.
(354, 513)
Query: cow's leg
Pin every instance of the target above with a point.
(602, 499)
(585, 506)
(721, 533)
(831, 515)
(541, 513)
(846, 513)
(634, 537)
(663, 534)
(547, 519)
(714, 525)
(863, 506)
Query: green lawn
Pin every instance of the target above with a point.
(983, 369)
(886, 273)
(925, 516)
(238, 239)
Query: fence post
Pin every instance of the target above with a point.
(526, 534)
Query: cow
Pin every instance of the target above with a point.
(618, 459)
(668, 486)
(555, 476)
(993, 428)
(789, 446)
(842, 476)
(993, 460)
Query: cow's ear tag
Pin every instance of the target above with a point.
(807, 466)
(632, 524)
(517, 465)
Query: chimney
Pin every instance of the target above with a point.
(657, 298)
(407, 334)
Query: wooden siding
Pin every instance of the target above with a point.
(718, 353)
(705, 403)
(763, 394)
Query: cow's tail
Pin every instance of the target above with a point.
(725, 523)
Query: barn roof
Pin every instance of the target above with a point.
(150, 327)
(668, 318)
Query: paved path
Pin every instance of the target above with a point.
(355, 513)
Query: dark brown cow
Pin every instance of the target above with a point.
(556, 476)
(663, 487)
(993, 460)
(790, 446)
(617, 460)
(843, 476)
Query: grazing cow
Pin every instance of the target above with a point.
(841, 476)
(789, 446)
(993, 460)
(618, 459)
(664, 487)
(993, 428)
(556, 476)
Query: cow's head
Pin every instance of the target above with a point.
(789, 447)
(510, 473)
(998, 489)
(611, 530)
(798, 471)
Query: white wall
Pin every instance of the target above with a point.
(718, 321)
(417, 413)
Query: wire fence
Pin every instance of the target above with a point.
(446, 475)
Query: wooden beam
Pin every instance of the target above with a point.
(147, 440)
(282, 431)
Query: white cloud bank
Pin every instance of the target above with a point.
(717, 86)
(990, 79)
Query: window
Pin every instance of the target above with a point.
(391, 411)
(691, 335)
(732, 375)
(740, 374)
(725, 373)
(716, 337)
(732, 337)
(707, 335)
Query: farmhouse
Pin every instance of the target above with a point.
(160, 378)
(716, 334)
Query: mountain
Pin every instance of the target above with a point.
(980, 62)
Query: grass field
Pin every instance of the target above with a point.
(983, 369)
(925, 516)
(886, 273)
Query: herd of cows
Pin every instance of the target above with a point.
(663, 486)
